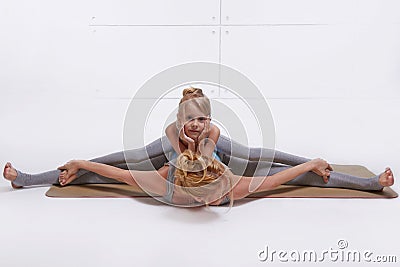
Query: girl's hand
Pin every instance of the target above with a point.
(206, 131)
(322, 168)
(190, 142)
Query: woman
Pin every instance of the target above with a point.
(203, 180)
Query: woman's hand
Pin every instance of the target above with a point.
(68, 171)
(322, 168)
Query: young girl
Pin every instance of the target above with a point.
(192, 129)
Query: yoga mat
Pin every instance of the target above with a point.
(283, 191)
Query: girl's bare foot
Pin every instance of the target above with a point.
(10, 174)
(386, 178)
(68, 172)
(65, 177)
(62, 178)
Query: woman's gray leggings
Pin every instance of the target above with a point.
(240, 159)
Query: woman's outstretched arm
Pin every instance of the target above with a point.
(151, 181)
(242, 188)
(99, 168)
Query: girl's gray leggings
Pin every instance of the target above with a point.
(241, 159)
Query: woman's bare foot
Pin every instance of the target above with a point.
(386, 178)
(10, 174)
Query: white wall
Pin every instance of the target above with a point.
(328, 68)
(68, 69)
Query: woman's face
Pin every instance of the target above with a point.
(219, 191)
(194, 121)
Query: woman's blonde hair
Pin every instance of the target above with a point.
(202, 177)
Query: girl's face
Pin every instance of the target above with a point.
(194, 127)
(194, 121)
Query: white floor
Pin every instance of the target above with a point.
(39, 133)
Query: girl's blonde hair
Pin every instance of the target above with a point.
(202, 177)
(190, 93)
(194, 96)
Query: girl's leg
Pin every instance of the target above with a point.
(244, 167)
(232, 148)
(156, 151)
(44, 178)
(160, 146)
(254, 168)
(150, 157)
(336, 179)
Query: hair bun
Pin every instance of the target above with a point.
(193, 91)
